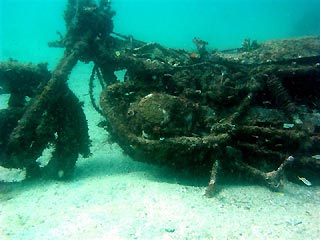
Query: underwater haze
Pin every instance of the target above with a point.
(30, 24)
(110, 196)
(223, 23)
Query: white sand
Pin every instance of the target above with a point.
(113, 197)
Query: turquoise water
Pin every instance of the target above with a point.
(112, 197)
(27, 25)
(223, 23)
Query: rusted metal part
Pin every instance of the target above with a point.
(52, 115)
(245, 107)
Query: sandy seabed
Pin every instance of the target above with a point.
(113, 197)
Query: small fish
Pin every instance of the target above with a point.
(290, 159)
(316, 157)
(305, 181)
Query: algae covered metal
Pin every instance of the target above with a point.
(220, 109)
(33, 121)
